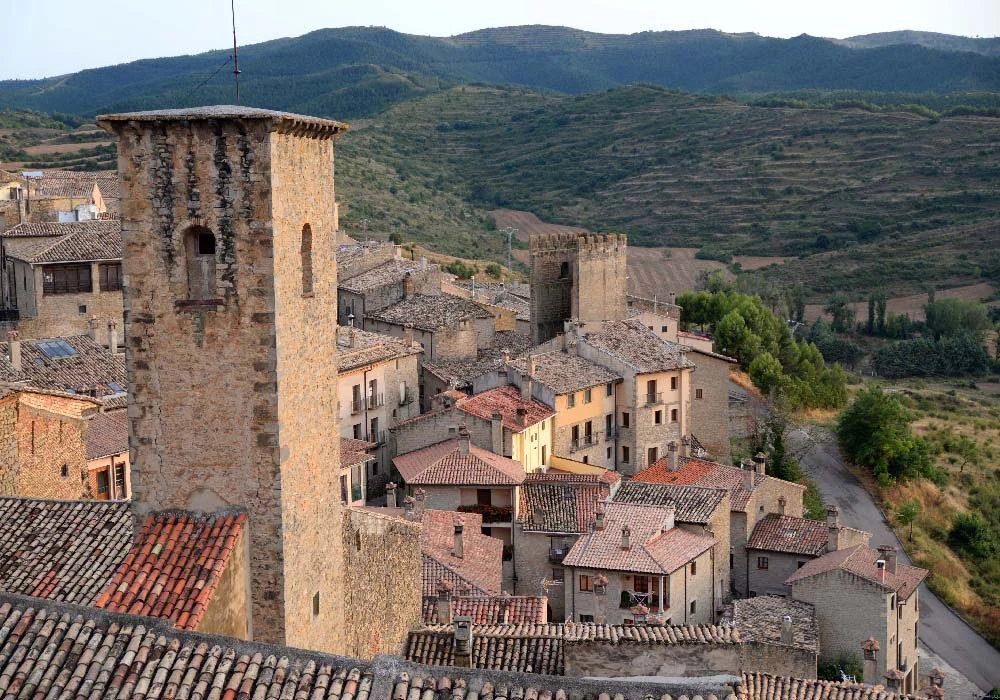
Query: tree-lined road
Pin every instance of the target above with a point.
(944, 632)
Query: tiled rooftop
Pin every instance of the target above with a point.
(461, 373)
(479, 571)
(82, 241)
(759, 619)
(443, 464)
(107, 434)
(62, 550)
(782, 533)
(354, 452)
(48, 229)
(491, 610)
(692, 504)
(391, 272)
(358, 348)
(762, 686)
(506, 400)
(557, 476)
(638, 347)
(59, 184)
(93, 367)
(429, 313)
(651, 550)
(174, 567)
(859, 560)
(568, 507)
(564, 373)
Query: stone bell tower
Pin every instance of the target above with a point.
(230, 280)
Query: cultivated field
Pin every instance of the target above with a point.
(914, 303)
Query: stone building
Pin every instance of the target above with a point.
(753, 494)
(487, 371)
(636, 562)
(227, 224)
(108, 464)
(373, 277)
(780, 545)
(882, 597)
(524, 423)
(576, 276)
(65, 279)
(582, 394)
(780, 635)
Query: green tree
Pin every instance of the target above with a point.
(870, 326)
(396, 238)
(841, 315)
(906, 514)
(880, 307)
(766, 373)
(494, 270)
(951, 317)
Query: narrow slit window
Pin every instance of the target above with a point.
(307, 259)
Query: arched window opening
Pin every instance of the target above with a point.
(199, 249)
(307, 259)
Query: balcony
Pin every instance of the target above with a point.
(378, 437)
(582, 443)
(357, 406)
(557, 554)
(490, 513)
(629, 599)
(375, 400)
(654, 399)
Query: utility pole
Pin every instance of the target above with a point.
(236, 58)
(364, 229)
(510, 231)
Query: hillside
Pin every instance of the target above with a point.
(931, 40)
(356, 71)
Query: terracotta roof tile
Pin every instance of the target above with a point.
(692, 504)
(59, 184)
(83, 241)
(860, 561)
(107, 434)
(93, 367)
(638, 347)
(491, 610)
(62, 550)
(560, 506)
(444, 464)
(354, 452)
(759, 619)
(46, 229)
(174, 567)
(762, 686)
(392, 271)
(782, 533)
(558, 476)
(461, 373)
(358, 348)
(564, 373)
(429, 313)
(479, 571)
(506, 400)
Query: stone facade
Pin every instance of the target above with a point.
(585, 658)
(575, 276)
(230, 276)
(228, 610)
(764, 499)
(533, 565)
(710, 404)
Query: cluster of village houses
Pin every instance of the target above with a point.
(526, 478)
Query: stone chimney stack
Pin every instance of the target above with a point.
(599, 518)
(526, 379)
(390, 494)
(408, 334)
(888, 553)
(870, 649)
(686, 443)
(832, 528)
(113, 337)
(463, 641)
(937, 677)
(408, 504)
(496, 433)
(748, 474)
(522, 417)
(880, 570)
(668, 520)
(444, 590)
(458, 551)
(14, 345)
(92, 328)
(626, 538)
(600, 599)
(787, 637)
(408, 288)
(760, 463)
(782, 502)
(423, 264)
(419, 498)
(673, 462)
(894, 679)
(464, 439)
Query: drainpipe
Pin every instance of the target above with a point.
(661, 595)
(686, 593)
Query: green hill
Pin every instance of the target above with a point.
(356, 71)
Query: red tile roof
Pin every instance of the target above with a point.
(480, 568)
(651, 550)
(554, 475)
(354, 452)
(859, 560)
(174, 567)
(506, 400)
(492, 610)
(107, 434)
(443, 464)
(560, 506)
(782, 533)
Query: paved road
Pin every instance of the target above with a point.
(944, 632)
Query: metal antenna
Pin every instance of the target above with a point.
(510, 231)
(236, 58)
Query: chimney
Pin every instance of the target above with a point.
(937, 677)
(464, 440)
(626, 538)
(408, 334)
(397, 252)
(880, 570)
(92, 327)
(14, 344)
(782, 502)
(458, 551)
(522, 417)
(894, 679)
(423, 264)
(748, 475)
(408, 503)
(870, 648)
(832, 528)
(350, 320)
(687, 444)
(390, 494)
(352, 337)
(668, 520)
(472, 279)
(760, 463)
(496, 433)
(600, 599)
(444, 590)
(113, 337)
(408, 286)
(599, 518)
(463, 641)
(888, 553)
(419, 497)
(787, 638)
(673, 463)
(526, 379)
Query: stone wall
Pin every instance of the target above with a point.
(382, 582)
(603, 660)
(599, 278)
(531, 561)
(738, 548)
(710, 405)
(50, 445)
(61, 315)
(432, 428)
(771, 581)
(228, 610)
(9, 466)
(719, 527)
(778, 660)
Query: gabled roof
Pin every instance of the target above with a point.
(444, 464)
(565, 507)
(429, 313)
(491, 610)
(692, 504)
(46, 229)
(638, 347)
(506, 400)
(763, 686)
(83, 241)
(461, 373)
(479, 571)
(62, 550)
(651, 549)
(783, 533)
(92, 367)
(59, 184)
(392, 271)
(174, 567)
(354, 452)
(759, 619)
(107, 434)
(357, 348)
(563, 373)
(859, 560)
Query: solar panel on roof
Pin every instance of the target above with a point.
(56, 348)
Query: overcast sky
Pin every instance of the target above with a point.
(51, 37)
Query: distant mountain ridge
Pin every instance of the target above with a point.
(989, 46)
(357, 71)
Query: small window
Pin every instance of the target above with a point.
(357, 431)
(664, 329)
(111, 277)
(571, 400)
(82, 309)
(762, 563)
(586, 460)
(199, 247)
(316, 604)
(586, 618)
(694, 568)
(558, 574)
(307, 259)
(624, 454)
(587, 396)
(206, 246)
(586, 583)
(609, 453)
(65, 471)
(610, 389)
(699, 393)
(694, 606)
(892, 602)
(625, 419)
(673, 415)
(343, 490)
(651, 455)
(102, 482)
(673, 384)
(658, 417)
(564, 270)
(628, 622)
